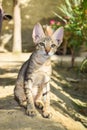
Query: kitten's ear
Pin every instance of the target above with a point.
(38, 33)
(58, 35)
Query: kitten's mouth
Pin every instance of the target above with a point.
(48, 54)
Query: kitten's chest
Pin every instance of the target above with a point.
(39, 64)
(40, 72)
(46, 68)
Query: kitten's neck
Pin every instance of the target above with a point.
(41, 56)
(37, 60)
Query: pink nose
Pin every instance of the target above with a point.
(47, 50)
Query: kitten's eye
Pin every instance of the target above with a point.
(41, 43)
(53, 45)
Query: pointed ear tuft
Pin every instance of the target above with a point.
(38, 33)
(58, 35)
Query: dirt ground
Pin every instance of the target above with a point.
(68, 98)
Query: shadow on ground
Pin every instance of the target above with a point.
(72, 97)
(8, 73)
(14, 117)
(67, 98)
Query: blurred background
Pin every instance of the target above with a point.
(16, 32)
(31, 12)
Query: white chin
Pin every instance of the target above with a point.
(50, 53)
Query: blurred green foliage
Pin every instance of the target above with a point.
(75, 17)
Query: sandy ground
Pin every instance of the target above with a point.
(68, 100)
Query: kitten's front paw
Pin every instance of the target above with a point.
(39, 104)
(47, 114)
(31, 112)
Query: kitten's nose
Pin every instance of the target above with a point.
(47, 50)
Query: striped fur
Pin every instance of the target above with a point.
(33, 82)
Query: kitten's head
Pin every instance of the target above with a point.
(47, 44)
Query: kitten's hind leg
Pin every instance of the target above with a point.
(19, 92)
(19, 96)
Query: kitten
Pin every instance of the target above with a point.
(33, 82)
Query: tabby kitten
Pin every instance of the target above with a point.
(33, 81)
